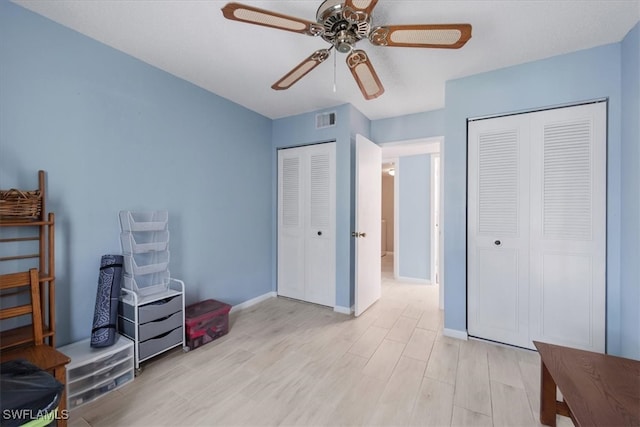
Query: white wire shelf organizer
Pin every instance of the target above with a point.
(151, 309)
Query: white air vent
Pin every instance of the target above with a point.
(325, 120)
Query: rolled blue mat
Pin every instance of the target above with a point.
(105, 316)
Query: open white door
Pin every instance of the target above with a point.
(368, 223)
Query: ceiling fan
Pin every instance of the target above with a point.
(343, 23)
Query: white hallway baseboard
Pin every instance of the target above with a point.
(413, 280)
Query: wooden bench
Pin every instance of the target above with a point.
(43, 356)
(598, 389)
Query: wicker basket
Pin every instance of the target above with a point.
(16, 204)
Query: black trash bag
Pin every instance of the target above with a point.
(26, 393)
(105, 316)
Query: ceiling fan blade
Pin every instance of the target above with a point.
(301, 70)
(267, 18)
(446, 36)
(365, 75)
(364, 6)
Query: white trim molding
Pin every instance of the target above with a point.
(454, 333)
(253, 301)
(343, 310)
(414, 280)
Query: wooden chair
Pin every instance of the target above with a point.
(34, 351)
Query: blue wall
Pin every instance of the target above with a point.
(630, 195)
(114, 133)
(300, 130)
(578, 76)
(412, 126)
(414, 219)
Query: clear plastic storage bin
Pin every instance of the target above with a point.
(139, 242)
(98, 377)
(144, 221)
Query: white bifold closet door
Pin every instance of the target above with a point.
(536, 235)
(306, 223)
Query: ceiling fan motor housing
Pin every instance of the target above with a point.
(343, 27)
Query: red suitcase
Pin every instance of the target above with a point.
(205, 321)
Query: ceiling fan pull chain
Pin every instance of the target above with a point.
(334, 73)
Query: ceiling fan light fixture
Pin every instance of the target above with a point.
(344, 41)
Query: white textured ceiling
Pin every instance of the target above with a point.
(191, 39)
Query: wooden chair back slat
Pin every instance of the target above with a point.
(19, 280)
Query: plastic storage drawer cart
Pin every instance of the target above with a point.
(94, 372)
(206, 321)
(154, 322)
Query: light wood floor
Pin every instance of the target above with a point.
(296, 364)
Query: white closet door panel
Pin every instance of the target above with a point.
(320, 225)
(290, 224)
(502, 310)
(320, 273)
(498, 218)
(291, 274)
(568, 227)
(565, 301)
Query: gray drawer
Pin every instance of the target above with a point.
(159, 327)
(159, 309)
(156, 345)
(127, 327)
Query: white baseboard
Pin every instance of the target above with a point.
(454, 333)
(254, 301)
(413, 280)
(343, 310)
